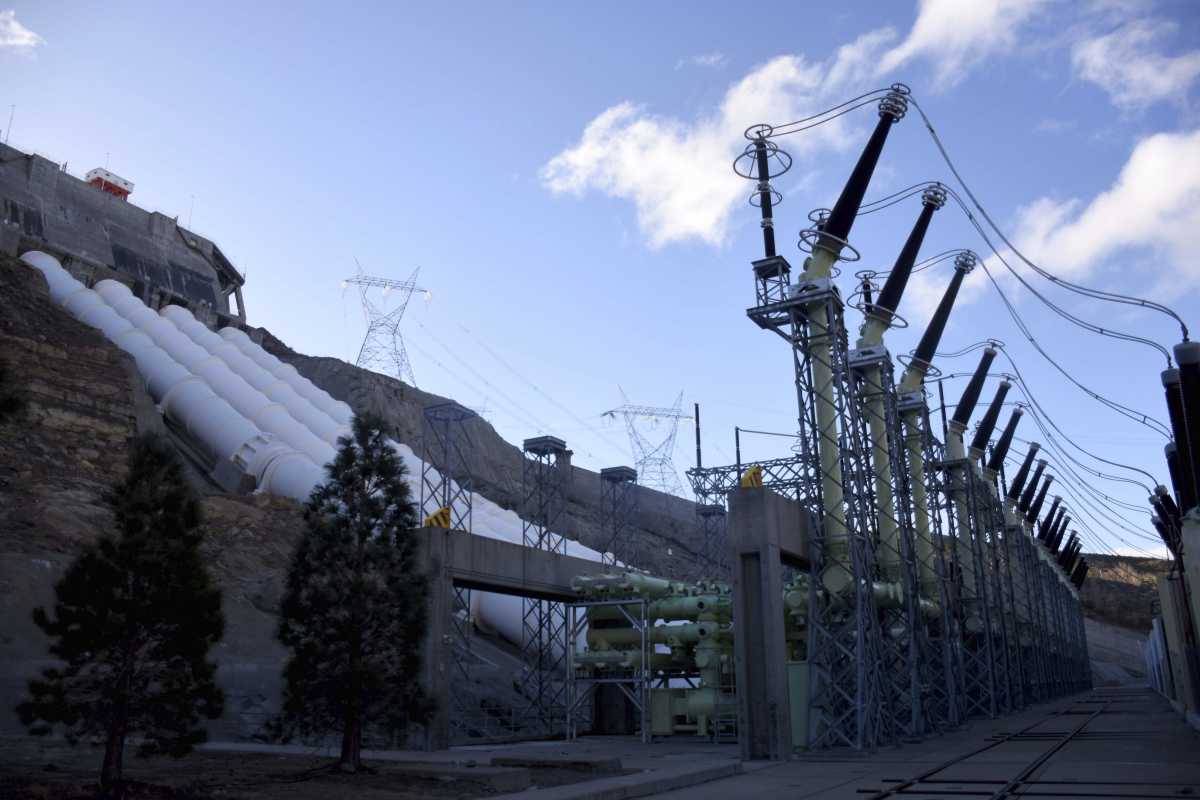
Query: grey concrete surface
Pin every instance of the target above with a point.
(1136, 747)
(765, 529)
(45, 208)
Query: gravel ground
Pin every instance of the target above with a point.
(47, 770)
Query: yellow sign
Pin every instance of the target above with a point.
(751, 478)
(439, 518)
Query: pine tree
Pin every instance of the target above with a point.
(135, 616)
(354, 609)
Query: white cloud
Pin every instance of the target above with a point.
(956, 35)
(1127, 65)
(1153, 207)
(677, 173)
(714, 59)
(15, 36)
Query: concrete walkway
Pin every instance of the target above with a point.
(1133, 745)
(1111, 742)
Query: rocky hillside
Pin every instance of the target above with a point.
(664, 530)
(1117, 598)
(1120, 589)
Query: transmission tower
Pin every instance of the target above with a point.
(654, 458)
(382, 348)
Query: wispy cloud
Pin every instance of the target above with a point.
(676, 172)
(15, 36)
(1128, 64)
(1152, 206)
(714, 60)
(956, 36)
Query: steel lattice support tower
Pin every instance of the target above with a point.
(446, 483)
(618, 513)
(653, 459)
(968, 510)
(446, 471)
(942, 639)
(903, 647)
(544, 473)
(843, 632)
(382, 348)
(714, 550)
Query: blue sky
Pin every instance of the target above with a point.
(560, 174)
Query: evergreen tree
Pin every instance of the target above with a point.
(135, 616)
(354, 609)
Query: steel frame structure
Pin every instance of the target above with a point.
(382, 347)
(634, 684)
(964, 504)
(843, 630)
(544, 642)
(943, 642)
(446, 482)
(713, 562)
(618, 513)
(786, 476)
(903, 643)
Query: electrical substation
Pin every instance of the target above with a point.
(888, 579)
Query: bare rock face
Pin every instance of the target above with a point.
(665, 539)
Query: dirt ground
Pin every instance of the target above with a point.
(32, 769)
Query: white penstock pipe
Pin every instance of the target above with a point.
(256, 380)
(314, 418)
(341, 413)
(186, 399)
(252, 404)
(500, 613)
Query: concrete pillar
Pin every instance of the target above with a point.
(764, 531)
(435, 666)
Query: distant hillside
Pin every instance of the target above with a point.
(1120, 589)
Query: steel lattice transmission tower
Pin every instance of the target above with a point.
(382, 348)
(654, 459)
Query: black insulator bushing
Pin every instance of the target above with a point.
(1031, 487)
(1073, 556)
(1168, 504)
(933, 332)
(1079, 573)
(1018, 481)
(764, 196)
(1059, 533)
(988, 424)
(1048, 521)
(1067, 551)
(1172, 455)
(970, 395)
(1164, 533)
(889, 297)
(1038, 501)
(1184, 475)
(841, 218)
(1187, 355)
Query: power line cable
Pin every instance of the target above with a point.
(1113, 297)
